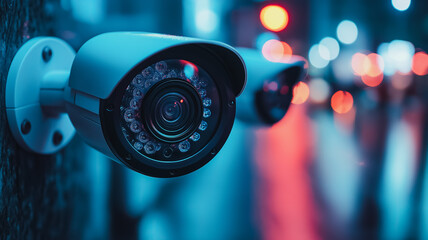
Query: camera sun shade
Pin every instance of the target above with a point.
(51, 92)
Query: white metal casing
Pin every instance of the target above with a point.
(29, 76)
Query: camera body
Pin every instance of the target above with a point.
(161, 105)
(269, 89)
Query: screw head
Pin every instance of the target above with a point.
(231, 103)
(25, 127)
(47, 54)
(57, 138)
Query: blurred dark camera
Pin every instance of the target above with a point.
(269, 90)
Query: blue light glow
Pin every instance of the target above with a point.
(189, 71)
(332, 47)
(206, 21)
(315, 58)
(347, 32)
(397, 181)
(401, 52)
(401, 5)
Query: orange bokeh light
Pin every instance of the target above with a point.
(376, 65)
(420, 63)
(277, 51)
(369, 67)
(360, 64)
(274, 18)
(300, 93)
(342, 102)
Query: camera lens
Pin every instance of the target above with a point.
(172, 110)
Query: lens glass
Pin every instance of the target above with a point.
(170, 110)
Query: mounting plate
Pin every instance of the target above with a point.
(32, 127)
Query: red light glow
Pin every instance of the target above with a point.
(420, 63)
(277, 51)
(369, 67)
(274, 18)
(360, 64)
(342, 102)
(285, 198)
(376, 65)
(300, 93)
(372, 81)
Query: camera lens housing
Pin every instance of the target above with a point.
(164, 117)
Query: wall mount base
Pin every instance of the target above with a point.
(32, 126)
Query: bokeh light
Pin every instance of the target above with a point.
(263, 38)
(347, 32)
(342, 102)
(360, 64)
(376, 65)
(319, 90)
(420, 63)
(277, 51)
(369, 67)
(274, 18)
(206, 20)
(372, 81)
(315, 58)
(401, 5)
(401, 53)
(331, 45)
(300, 93)
(389, 65)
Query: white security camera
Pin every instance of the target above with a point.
(161, 105)
(269, 89)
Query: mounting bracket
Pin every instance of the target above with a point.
(35, 89)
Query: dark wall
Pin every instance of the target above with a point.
(39, 198)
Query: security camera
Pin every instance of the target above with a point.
(161, 105)
(269, 89)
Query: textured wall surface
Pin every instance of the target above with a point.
(41, 197)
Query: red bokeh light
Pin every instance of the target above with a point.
(420, 63)
(372, 81)
(369, 67)
(342, 102)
